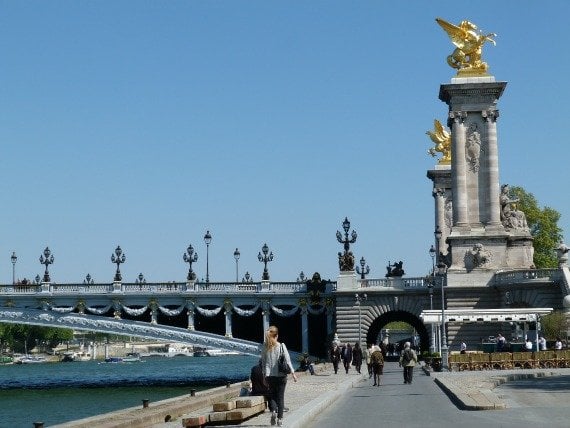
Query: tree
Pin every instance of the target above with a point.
(555, 325)
(543, 225)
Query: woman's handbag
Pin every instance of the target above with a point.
(282, 365)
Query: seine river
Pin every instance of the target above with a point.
(54, 393)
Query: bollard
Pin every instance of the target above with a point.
(38, 425)
(192, 393)
(228, 384)
(145, 403)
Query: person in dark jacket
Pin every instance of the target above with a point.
(258, 384)
(335, 357)
(357, 357)
(346, 356)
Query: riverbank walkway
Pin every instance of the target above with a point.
(507, 398)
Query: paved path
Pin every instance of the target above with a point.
(521, 397)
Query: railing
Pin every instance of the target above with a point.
(399, 283)
(528, 275)
(162, 288)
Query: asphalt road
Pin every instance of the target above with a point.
(533, 402)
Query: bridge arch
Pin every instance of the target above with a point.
(398, 315)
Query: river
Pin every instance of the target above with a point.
(54, 393)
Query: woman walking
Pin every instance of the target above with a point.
(357, 357)
(277, 380)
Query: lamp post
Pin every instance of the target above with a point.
(190, 257)
(442, 273)
(247, 278)
(362, 271)
(346, 259)
(207, 240)
(14, 259)
(437, 235)
(140, 279)
(236, 257)
(265, 258)
(117, 259)
(358, 299)
(432, 254)
(88, 280)
(301, 277)
(46, 259)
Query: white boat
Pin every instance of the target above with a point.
(179, 350)
(31, 359)
(219, 352)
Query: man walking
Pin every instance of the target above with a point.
(408, 360)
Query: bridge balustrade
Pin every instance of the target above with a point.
(527, 275)
(399, 283)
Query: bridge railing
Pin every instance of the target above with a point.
(399, 283)
(161, 288)
(527, 275)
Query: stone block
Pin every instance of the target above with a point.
(195, 421)
(244, 413)
(224, 406)
(217, 417)
(249, 401)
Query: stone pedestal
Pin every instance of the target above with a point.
(347, 280)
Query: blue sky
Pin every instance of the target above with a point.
(146, 123)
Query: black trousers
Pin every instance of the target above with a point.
(277, 394)
(408, 374)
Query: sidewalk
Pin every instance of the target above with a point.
(305, 398)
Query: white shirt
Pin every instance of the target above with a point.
(558, 345)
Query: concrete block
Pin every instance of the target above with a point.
(224, 406)
(217, 416)
(241, 414)
(195, 421)
(249, 401)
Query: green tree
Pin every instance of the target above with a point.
(543, 224)
(555, 325)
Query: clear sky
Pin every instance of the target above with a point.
(146, 123)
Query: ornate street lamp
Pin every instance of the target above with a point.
(14, 259)
(247, 278)
(38, 279)
(346, 260)
(140, 279)
(265, 258)
(363, 271)
(46, 259)
(190, 257)
(358, 298)
(442, 273)
(236, 257)
(207, 240)
(301, 277)
(432, 254)
(88, 280)
(118, 258)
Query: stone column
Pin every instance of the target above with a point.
(304, 330)
(228, 310)
(459, 168)
(493, 204)
(265, 314)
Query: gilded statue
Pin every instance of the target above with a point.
(468, 40)
(442, 140)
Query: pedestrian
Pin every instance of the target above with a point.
(367, 353)
(558, 344)
(501, 342)
(306, 365)
(259, 385)
(357, 357)
(463, 348)
(408, 359)
(528, 345)
(377, 361)
(347, 356)
(277, 380)
(335, 357)
(542, 343)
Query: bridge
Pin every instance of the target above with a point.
(234, 316)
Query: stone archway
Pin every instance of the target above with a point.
(392, 316)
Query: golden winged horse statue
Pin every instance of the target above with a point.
(442, 140)
(468, 40)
